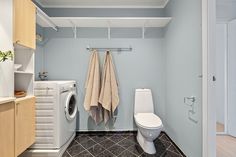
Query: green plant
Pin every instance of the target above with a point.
(8, 55)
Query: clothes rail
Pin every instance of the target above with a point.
(110, 48)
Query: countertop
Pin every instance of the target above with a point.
(4, 100)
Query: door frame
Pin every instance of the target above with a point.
(208, 49)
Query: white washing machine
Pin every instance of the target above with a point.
(56, 111)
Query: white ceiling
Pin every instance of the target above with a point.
(103, 3)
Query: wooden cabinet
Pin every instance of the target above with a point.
(7, 122)
(24, 123)
(24, 23)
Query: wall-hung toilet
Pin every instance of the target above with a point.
(149, 125)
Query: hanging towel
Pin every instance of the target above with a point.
(109, 97)
(92, 88)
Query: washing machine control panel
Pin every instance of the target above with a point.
(68, 87)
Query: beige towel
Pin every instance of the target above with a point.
(109, 97)
(92, 88)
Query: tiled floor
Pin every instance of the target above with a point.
(118, 145)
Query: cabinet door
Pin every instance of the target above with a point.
(7, 115)
(24, 124)
(24, 23)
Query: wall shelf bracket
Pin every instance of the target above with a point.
(74, 28)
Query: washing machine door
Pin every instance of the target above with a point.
(70, 106)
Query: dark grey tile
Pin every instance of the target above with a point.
(160, 147)
(149, 155)
(164, 137)
(65, 154)
(127, 153)
(116, 138)
(136, 149)
(170, 154)
(106, 153)
(126, 143)
(96, 149)
(75, 150)
(116, 149)
(98, 138)
(133, 138)
(112, 144)
(172, 148)
(73, 142)
(82, 138)
(107, 143)
(88, 144)
(84, 154)
(164, 143)
(126, 134)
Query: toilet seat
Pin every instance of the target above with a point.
(148, 120)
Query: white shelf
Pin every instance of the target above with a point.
(109, 21)
(104, 4)
(23, 72)
(24, 76)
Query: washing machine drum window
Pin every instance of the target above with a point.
(71, 108)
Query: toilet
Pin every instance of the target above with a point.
(149, 125)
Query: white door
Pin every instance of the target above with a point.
(232, 78)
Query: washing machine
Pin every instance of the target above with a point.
(56, 111)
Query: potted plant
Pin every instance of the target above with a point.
(6, 73)
(4, 56)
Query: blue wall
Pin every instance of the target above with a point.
(67, 58)
(183, 49)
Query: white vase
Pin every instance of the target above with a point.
(7, 78)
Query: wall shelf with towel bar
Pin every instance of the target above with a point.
(115, 49)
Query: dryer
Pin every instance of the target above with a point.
(56, 111)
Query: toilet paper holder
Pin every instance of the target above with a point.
(191, 99)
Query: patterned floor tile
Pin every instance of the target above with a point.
(82, 138)
(118, 144)
(163, 143)
(132, 138)
(65, 155)
(127, 153)
(96, 149)
(172, 148)
(88, 144)
(116, 138)
(107, 143)
(116, 149)
(170, 154)
(106, 153)
(126, 143)
(136, 149)
(98, 138)
(164, 137)
(75, 150)
(84, 154)
(74, 142)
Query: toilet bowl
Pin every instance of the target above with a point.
(149, 125)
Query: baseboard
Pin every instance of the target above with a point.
(104, 132)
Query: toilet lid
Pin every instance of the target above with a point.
(148, 120)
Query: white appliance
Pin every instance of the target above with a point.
(56, 111)
(149, 125)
